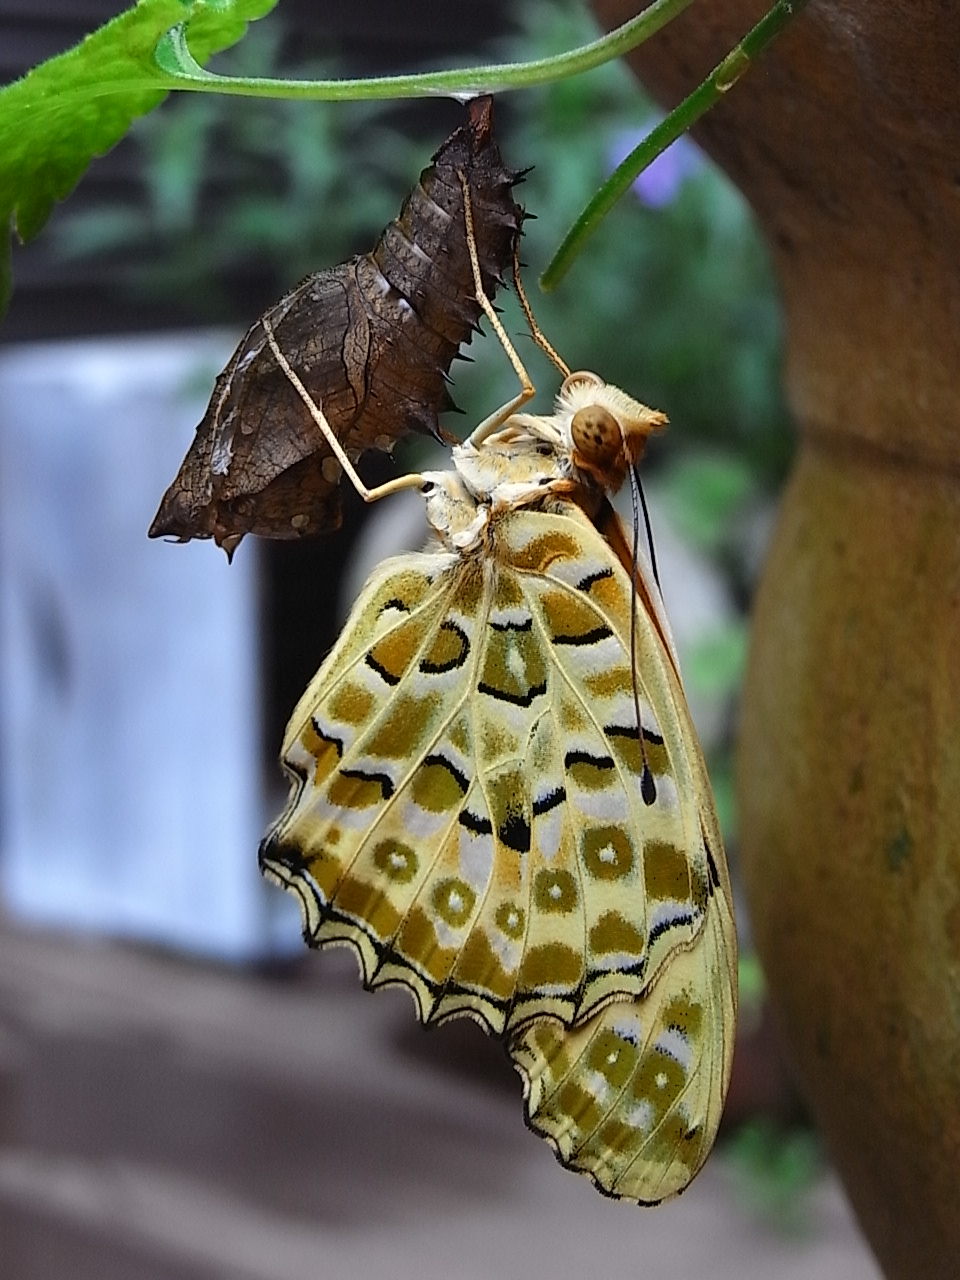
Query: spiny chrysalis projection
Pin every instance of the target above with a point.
(372, 341)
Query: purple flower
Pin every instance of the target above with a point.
(661, 181)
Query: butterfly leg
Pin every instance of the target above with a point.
(411, 481)
(536, 332)
(527, 389)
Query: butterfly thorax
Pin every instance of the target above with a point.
(514, 468)
(578, 453)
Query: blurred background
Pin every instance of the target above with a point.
(183, 1092)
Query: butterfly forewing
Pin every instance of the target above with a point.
(467, 808)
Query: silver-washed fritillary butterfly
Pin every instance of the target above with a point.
(500, 801)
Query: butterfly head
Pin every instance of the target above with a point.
(604, 429)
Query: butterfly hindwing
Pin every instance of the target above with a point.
(636, 860)
(633, 1097)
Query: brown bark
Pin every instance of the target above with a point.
(846, 140)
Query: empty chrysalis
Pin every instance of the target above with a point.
(372, 339)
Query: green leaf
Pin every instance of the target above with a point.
(76, 106)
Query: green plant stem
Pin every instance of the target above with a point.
(182, 71)
(720, 80)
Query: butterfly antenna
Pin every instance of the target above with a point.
(637, 497)
(648, 787)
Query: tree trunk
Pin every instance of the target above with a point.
(846, 141)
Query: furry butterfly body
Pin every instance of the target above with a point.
(498, 798)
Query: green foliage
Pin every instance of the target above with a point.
(705, 491)
(775, 1170)
(720, 768)
(59, 116)
(674, 301)
(230, 181)
(716, 662)
(752, 984)
(665, 132)
(78, 105)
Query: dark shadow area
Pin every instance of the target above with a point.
(307, 1144)
(462, 1049)
(36, 1248)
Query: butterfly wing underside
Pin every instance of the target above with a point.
(633, 1097)
(466, 811)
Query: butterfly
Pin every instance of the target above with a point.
(499, 800)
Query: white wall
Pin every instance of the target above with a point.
(130, 779)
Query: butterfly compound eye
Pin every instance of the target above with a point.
(596, 435)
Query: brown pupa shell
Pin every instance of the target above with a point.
(371, 339)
